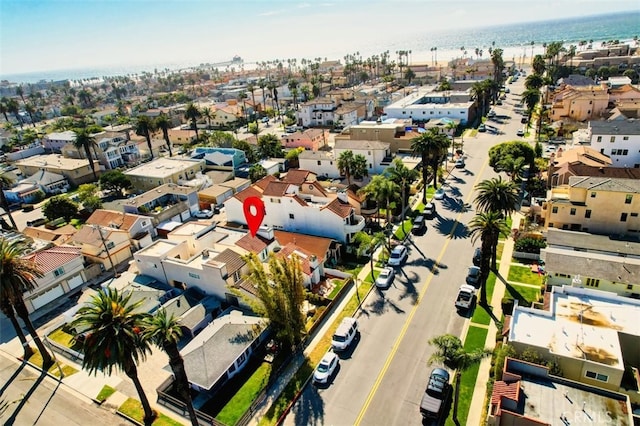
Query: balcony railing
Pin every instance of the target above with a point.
(355, 225)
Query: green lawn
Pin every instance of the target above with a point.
(133, 409)
(523, 274)
(105, 393)
(59, 335)
(523, 294)
(242, 400)
(36, 359)
(338, 286)
(480, 315)
(475, 339)
(399, 234)
(509, 223)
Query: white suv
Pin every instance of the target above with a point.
(345, 333)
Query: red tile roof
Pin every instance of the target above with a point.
(54, 257)
(253, 244)
(290, 249)
(502, 389)
(262, 183)
(338, 207)
(275, 189)
(297, 199)
(112, 218)
(296, 176)
(315, 245)
(246, 193)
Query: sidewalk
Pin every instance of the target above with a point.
(477, 406)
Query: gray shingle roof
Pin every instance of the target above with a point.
(615, 127)
(605, 184)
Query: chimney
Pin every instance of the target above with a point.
(265, 232)
(342, 196)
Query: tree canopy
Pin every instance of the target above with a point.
(60, 206)
(513, 149)
(115, 180)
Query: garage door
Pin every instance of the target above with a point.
(75, 282)
(50, 295)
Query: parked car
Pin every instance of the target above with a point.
(491, 113)
(524, 120)
(385, 278)
(204, 214)
(477, 256)
(473, 276)
(460, 164)
(435, 395)
(439, 194)
(419, 225)
(482, 127)
(520, 132)
(429, 210)
(398, 255)
(466, 297)
(326, 368)
(507, 90)
(344, 334)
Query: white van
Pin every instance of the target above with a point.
(345, 333)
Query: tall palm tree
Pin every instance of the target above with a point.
(145, 127)
(165, 332)
(5, 183)
(402, 176)
(431, 146)
(452, 126)
(114, 338)
(345, 164)
(192, 113)
(367, 244)
(4, 108)
(451, 352)
(514, 167)
(488, 226)
(85, 141)
(18, 276)
(497, 195)
(162, 123)
(384, 191)
(530, 97)
(8, 311)
(207, 114)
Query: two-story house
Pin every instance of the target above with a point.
(112, 150)
(579, 103)
(377, 153)
(619, 139)
(163, 170)
(33, 188)
(398, 133)
(600, 205)
(104, 245)
(54, 142)
(220, 158)
(62, 269)
(317, 112)
(305, 208)
(76, 171)
(426, 104)
(140, 228)
(164, 203)
(310, 139)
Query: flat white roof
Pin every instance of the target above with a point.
(582, 323)
(158, 248)
(162, 167)
(55, 161)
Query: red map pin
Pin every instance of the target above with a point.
(254, 213)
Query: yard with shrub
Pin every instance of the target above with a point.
(523, 274)
(133, 409)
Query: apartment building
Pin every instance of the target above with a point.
(162, 171)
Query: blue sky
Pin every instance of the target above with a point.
(39, 35)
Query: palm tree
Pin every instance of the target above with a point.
(431, 147)
(4, 108)
(452, 126)
(18, 276)
(192, 113)
(530, 97)
(488, 226)
(8, 311)
(162, 123)
(85, 141)
(144, 127)
(497, 195)
(402, 176)
(5, 183)
(207, 114)
(384, 191)
(345, 164)
(165, 332)
(451, 352)
(367, 245)
(113, 338)
(514, 167)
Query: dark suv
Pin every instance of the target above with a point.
(419, 225)
(477, 256)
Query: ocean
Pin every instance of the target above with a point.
(514, 39)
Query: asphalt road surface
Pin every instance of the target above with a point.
(382, 377)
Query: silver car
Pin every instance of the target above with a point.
(385, 278)
(325, 368)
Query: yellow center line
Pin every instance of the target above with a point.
(405, 327)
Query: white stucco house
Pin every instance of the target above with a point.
(374, 151)
(426, 104)
(619, 139)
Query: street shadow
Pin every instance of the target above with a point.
(456, 205)
(310, 408)
(415, 247)
(25, 398)
(468, 172)
(489, 310)
(455, 192)
(409, 289)
(446, 227)
(382, 304)
(456, 179)
(12, 378)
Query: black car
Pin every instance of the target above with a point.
(419, 225)
(477, 256)
(429, 210)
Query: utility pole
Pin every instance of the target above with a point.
(104, 244)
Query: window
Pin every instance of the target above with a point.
(111, 245)
(291, 216)
(554, 210)
(593, 195)
(572, 212)
(58, 272)
(319, 163)
(623, 217)
(192, 275)
(593, 282)
(587, 214)
(634, 214)
(628, 198)
(625, 138)
(629, 286)
(613, 139)
(596, 376)
(599, 138)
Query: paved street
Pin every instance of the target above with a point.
(382, 379)
(36, 399)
